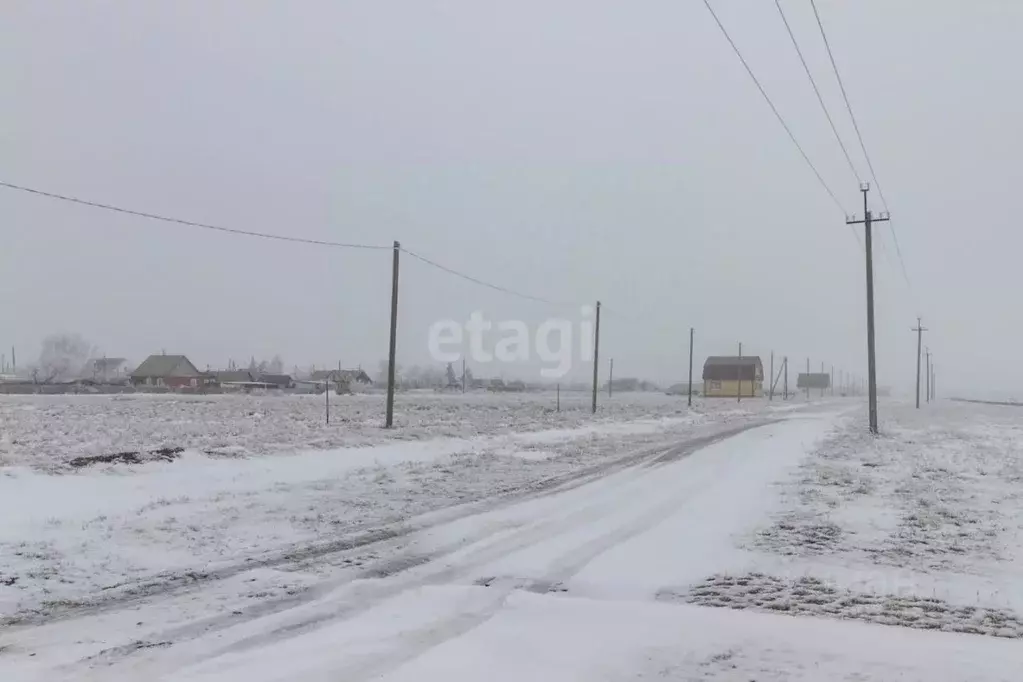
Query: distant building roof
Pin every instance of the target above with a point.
(166, 366)
(341, 375)
(233, 376)
(356, 375)
(323, 374)
(277, 379)
(732, 367)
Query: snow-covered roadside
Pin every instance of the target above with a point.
(920, 527)
(67, 539)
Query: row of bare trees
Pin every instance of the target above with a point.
(435, 376)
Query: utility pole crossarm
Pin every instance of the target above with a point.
(882, 217)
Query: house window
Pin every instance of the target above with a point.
(715, 385)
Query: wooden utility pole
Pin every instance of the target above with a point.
(738, 388)
(786, 388)
(692, 331)
(771, 390)
(463, 374)
(610, 375)
(919, 329)
(391, 360)
(807, 387)
(775, 378)
(559, 397)
(928, 375)
(326, 396)
(868, 219)
(596, 356)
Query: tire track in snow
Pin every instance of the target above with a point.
(452, 562)
(462, 561)
(333, 553)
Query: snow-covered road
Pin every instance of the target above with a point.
(569, 583)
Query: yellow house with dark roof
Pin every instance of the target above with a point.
(725, 376)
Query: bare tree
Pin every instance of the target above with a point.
(63, 357)
(276, 365)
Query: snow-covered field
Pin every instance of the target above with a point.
(588, 550)
(48, 432)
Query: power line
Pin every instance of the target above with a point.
(817, 91)
(482, 283)
(859, 135)
(898, 252)
(777, 114)
(848, 106)
(178, 221)
(264, 235)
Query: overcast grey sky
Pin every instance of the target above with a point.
(576, 149)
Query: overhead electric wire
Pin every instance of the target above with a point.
(817, 91)
(859, 136)
(482, 283)
(265, 235)
(774, 109)
(179, 221)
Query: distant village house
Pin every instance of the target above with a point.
(341, 379)
(247, 380)
(170, 371)
(724, 376)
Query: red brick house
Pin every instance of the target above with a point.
(170, 371)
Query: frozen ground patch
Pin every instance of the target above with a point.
(810, 596)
